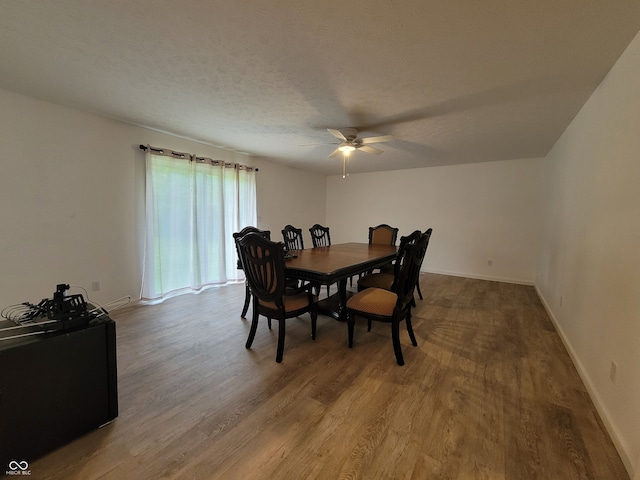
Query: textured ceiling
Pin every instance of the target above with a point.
(454, 81)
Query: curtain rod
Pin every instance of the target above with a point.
(193, 157)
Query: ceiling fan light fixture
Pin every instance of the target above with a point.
(349, 142)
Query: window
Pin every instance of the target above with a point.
(193, 205)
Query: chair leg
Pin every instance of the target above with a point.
(253, 328)
(314, 323)
(419, 292)
(369, 322)
(351, 321)
(395, 336)
(281, 328)
(410, 329)
(247, 298)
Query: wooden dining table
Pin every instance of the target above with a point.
(336, 264)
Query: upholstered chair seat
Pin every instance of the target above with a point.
(375, 301)
(291, 302)
(376, 280)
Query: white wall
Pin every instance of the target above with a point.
(590, 255)
(291, 196)
(478, 212)
(71, 185)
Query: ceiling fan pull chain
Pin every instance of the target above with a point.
(345, 158)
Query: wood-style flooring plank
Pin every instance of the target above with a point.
(488, 393)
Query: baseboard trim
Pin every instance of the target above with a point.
(616, 438)
(480, 277)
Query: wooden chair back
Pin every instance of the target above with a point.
(320, 236)
(408, 271)
(404, 242)
(263, 265)
(383, 235)
(292, 238)
(265, 233)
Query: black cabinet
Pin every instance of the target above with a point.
(55, 387)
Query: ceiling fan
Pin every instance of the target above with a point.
(351, 142)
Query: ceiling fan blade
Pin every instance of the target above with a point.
(337, 134)
(384, 138)
(367, 149)
(334, 153)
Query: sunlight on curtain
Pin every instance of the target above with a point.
(192, 210)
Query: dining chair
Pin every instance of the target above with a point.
(387, 276)
(383, 234)
(391, 306)
(320, 237)
(264, 265)
(266, 234)
(292, 238)
(384, 279)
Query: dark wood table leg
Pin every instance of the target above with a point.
(342, 300)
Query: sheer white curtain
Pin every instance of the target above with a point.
(193, 206)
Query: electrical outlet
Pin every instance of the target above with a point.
(490, 263)
(95, 286)
(613, 372)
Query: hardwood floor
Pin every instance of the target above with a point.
(489, 393)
